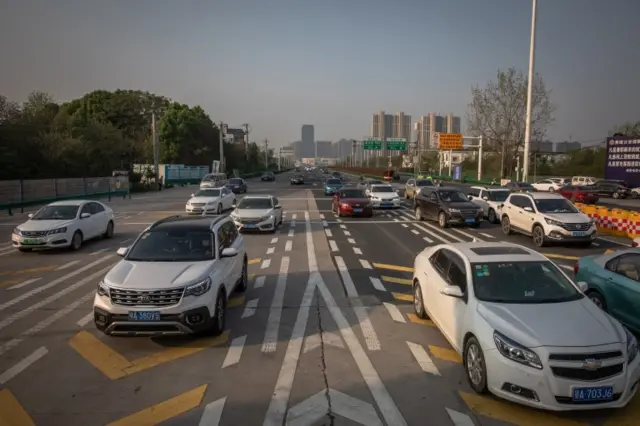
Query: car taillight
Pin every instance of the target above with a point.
(576, 267)
(634, 244)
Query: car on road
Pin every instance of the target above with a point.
(383, 196)
(547, 218)
(332, 185)
(210, 201)
(213, 180)
(612, 188)
(336, 175)
(351, 202)
(448, 206)
(175, 279)
(268, 177)
(520, 187)
(237, 185)
(490, 200)
(579, 194)
(413, 187)
(363, 184)
(64, 224)
(296, 180)
(258, 213)
(547, 185)
(524, 330)
(614, 284)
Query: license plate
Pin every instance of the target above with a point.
(578, 234)
(249, 226)
(600, 393)
(144, 316)
(31, 241)
(357, 210)
(470, 220)
(387, 204)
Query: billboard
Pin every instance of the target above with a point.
(623, 160)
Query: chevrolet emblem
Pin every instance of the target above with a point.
(591, 364)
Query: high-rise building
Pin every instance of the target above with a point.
(324, 149)
(434, 124)
(453, 124)
(386, 126)
(308, 141)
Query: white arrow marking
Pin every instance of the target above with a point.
(212, 413)
(458, 418)
(313, 342)
(235, 351)
(423, 359)
(309, 411)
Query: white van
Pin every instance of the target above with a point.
(583, 180)
(214, 180)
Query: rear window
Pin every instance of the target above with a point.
(424, 182)
(235, 181)
(334, 182)
(382, 189)
(352, 193)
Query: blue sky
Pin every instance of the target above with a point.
(278, 64)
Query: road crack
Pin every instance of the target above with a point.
(323, 361)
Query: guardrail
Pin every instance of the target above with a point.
(18, 194)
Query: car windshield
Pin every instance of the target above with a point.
(352, 193)
(56, 213)
(175, 245)
(424, 182)
(334, 182)
(254, 203)
(207, 179)
(452, 196)
(522, 282)
(498, 195)
(235, 181)
(208, 193)
(382, 189)
(555, 205)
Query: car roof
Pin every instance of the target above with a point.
(484, 188)
(71, 202)
(380, 185)
(491, 252)
(188, 222)
(256, 197)
(541, 195)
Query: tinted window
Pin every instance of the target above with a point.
(629, 266)
(555, 205)
(474, 192)
(498, 195)
(255, 203)
(173, 245)
(236, 181)
(208, 193)
(382, 189)
(352, 193)
(424, 182)
(452, 196)
(57, 213)
(230, 234)
(334, 182)
(96, 208)
(440, 261)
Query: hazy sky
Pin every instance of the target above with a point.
(278, 64)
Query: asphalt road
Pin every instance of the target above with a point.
(324, 335)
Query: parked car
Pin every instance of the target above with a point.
(237, 185)
(448, 206)
(547, 185)
(612, 188)
(520, 187)
(268, 176)
(579, 194)
(352, 202)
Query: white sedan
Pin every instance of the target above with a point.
(258, 213)
(525, 331)
(547, 185)
(64, 224)
(210, 201)
(382, 196)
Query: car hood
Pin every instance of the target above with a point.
(461, 205)
(571, 324)
(204, 199)
(568, 217)
(156, 275)
(44, 225)
(355, 200)
(251, 213)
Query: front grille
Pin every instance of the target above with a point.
(34, 233)
(470, 213)
(576, 226)
(146, 298)
(249, 221)
(587, 375)
(583, 357)
(198, 204)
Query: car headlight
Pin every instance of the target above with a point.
(552, 222)
(16, 231)
(516, 352)
(198, 289)
(632, 346)
(57, 231)
(591, 222)
(267, 217)
(103, 290)
(454, 210)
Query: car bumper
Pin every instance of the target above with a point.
(266, 225)
(200, 210)
(540, 389)
(190, 317)
(385, 204)
(235, 190)
(350, 211)
(459, 219)
(559, 234)
(331, 191)
(46, 242)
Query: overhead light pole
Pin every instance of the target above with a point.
(527, 129)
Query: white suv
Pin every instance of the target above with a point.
(547, 217)
(490, 199)
(175, 279)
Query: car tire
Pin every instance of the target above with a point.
(616, 195)
(219, 209)
(538, 236)
(76, 241)
(220, 315)
(551, 189)
(243, 283)
(109, 232)
(597, 299)
(506, 225)
(418, 301)
(492, 216)
(419, 214)
(442, 220)
(475, 366)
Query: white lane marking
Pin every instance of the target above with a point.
(9, 251)
(274, 240)
(290, 234)
(234, 352)
(212, 413)
(396, 220)
(125, 241)
(339, 220)
(321, 216)
(328, 338)
(377, 284)
(466, 234)
(98, 252)
(427, 240)
(288, 245)
(250, 308)
(328, 232)
(458, 418)
(365, 264)
(620, 243)
(51, 319)
(343, 226)
(126, 217)
(333, 245)
(265, 264)
(415, 232)
(356, 250)
(67, 265)
(567, 267)
(424, 360)
(325, 224)
(294, 216)
(273, 323)
(9, 248)
(53, 283)
(316, 407)
(23, 284)
(394, 312)
(404, 225)
(432, 234)
(85, 319)
(486, 235)
(259, 282)
(270, 250)
(595, 244)
(370, 336)
(347, 233)
(22, 365)
(351, 240)
(139, 213)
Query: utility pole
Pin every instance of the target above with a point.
(154, 133)
(222, 168)
(279, 157)
(246, 142)
(527, 129)
(354, 144)
(266, 154)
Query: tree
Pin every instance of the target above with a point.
(498, 113)
(631, 130)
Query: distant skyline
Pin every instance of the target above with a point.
(283, 63)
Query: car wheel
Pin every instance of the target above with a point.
(475, 366)
(219, 210)
(418, 301)
(220, 314)
(597, 299)
(109, 232)
(442, 220)
(538, 236)
(76, 241)
(244, 278)
(492, 216)
(616, 195)
(419, 214)
(551, 189)
(506, 225)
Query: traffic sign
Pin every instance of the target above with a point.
(450, 141)
(396, 144)
(372, 144)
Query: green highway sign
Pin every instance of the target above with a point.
(396, 144)
(372, 144)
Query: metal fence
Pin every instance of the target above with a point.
(20, 191)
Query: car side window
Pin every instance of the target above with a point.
(474, 192)
(629, 266)
(526, 202)
(433, 197)
(96, 208)
(516, 201)
(231, 233)
(275, 201)
(411, 182)
(222, 238)
(86, 209)
(456, 274)
(440, 262)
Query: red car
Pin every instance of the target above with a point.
(352, 202)
(583, 194)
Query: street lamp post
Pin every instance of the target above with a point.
(532, 57)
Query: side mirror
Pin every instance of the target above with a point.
(122, 251)
(85, 215)
(470, 197)
(30, 215)
(485, 198)
(582, 286)
(193, 195)
(452, 291)
(528, 209)
(278, 206)
(229, 252)
(233, 206)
